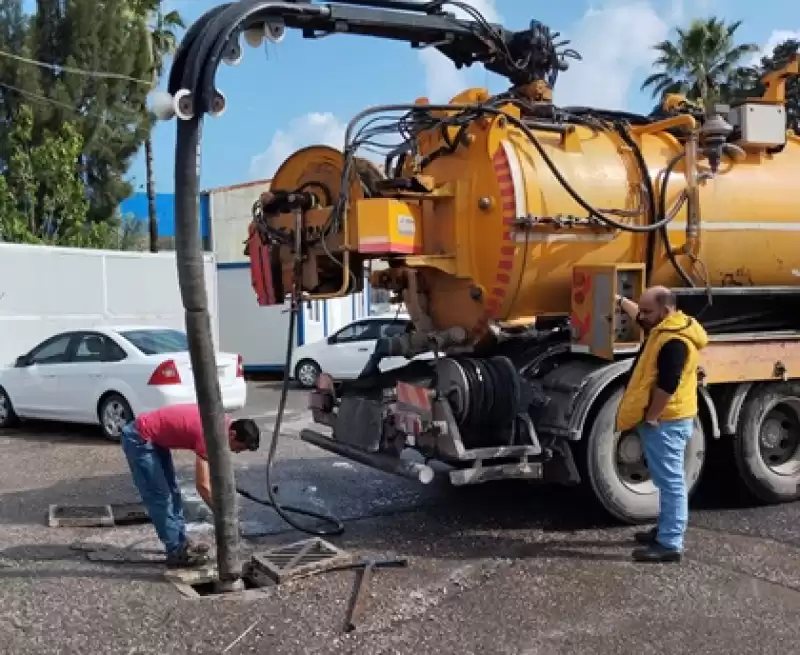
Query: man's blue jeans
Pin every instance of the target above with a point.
(154, 475)
(665, 447)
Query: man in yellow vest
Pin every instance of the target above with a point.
(660, 404)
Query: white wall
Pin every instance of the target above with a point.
(259, 334)
(231, 210)
(45, 290)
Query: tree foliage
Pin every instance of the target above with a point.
(780, 57)
(67, 140)
(42, 196)
(703, 63)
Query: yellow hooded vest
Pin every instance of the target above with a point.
(683, 403)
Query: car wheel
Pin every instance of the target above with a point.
(7, 415)
(306, 373)
(114, 413)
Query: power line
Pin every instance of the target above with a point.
(76, 71)
(74, 110)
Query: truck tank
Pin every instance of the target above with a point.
(499, 221)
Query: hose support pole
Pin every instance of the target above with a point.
(191, 277)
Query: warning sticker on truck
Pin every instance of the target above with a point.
(406, 225)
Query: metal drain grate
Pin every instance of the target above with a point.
(80, 516)
(296, 560)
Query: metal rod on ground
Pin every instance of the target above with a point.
(191, 277)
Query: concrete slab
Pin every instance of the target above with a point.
(496, 569)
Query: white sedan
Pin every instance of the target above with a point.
(107, 376)
(346, 352)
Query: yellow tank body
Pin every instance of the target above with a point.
(748, 218)
(496, 236)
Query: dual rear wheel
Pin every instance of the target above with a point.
(765, 449)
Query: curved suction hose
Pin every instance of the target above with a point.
(202, 351)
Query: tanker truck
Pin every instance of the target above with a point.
(508, 226)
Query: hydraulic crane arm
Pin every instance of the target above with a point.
(521, 57)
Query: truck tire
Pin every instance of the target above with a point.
(766, 446)
(617, 470)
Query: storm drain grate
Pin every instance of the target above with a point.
(80, 516)
(297, 559)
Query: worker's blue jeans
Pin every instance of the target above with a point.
(154, 475)
(665, 447)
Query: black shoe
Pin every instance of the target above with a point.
(185, 558)
(656, 553)
(646, 538)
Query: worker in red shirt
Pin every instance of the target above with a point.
(147, 443)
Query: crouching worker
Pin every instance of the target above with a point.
(148, 442)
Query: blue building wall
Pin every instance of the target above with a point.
(136, 205)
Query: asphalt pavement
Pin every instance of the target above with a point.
(493, 569)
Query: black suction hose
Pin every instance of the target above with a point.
(662, 212)
(284, 511)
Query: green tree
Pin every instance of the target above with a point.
(703, 62)
(163, 41)
(781, 55)
(42, 195)
(94, 36)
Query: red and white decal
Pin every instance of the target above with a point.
(508, 171)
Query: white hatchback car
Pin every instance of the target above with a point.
(346, 352)
(107, 376)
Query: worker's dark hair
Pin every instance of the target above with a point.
(665, 298)
(247, 433)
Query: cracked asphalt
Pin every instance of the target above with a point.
(493, 569)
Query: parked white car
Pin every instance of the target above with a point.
(344, 354)
(107, 376)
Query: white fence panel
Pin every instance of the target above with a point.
(44, 290)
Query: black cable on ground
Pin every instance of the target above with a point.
(284, 511)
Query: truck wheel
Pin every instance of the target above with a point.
(617, 469)
(766, 446)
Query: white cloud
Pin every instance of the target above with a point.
(616, 43)
(615, 38)
(776, 38)
(442, 79)
(315, 128)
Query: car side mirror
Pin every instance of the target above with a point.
(22, 361)
(331, 340)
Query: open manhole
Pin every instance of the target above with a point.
(80, 516)
(202, 583)
(204, 589)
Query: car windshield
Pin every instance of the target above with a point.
(157, 342)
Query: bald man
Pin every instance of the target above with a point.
(660, 404)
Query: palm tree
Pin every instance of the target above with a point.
(703, 62)
(161, 29)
